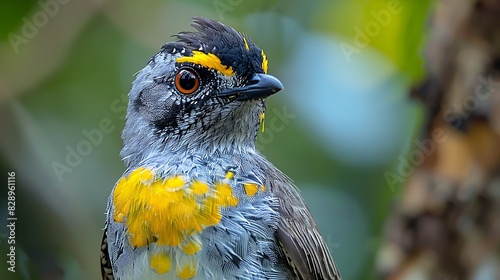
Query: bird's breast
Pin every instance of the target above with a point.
(169, 215)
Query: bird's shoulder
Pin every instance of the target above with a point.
(298, 234)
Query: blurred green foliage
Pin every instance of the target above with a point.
(73, 71)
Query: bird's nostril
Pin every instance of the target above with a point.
(253, 81)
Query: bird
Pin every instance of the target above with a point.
(197, 200)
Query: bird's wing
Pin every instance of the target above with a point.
(106, 269)
(298, 234)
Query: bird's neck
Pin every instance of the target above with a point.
(235, 133)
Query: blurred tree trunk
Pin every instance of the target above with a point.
(446, 221)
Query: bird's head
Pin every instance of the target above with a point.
(205, 90)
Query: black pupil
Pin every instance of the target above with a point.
(187, 80)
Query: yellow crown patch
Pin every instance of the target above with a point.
(208, 60)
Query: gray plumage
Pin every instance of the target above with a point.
(202, 137)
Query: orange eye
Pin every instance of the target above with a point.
(187, 81)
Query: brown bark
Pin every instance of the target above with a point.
(446, 221)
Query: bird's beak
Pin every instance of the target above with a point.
(259, 87)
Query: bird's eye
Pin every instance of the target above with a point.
(187, 81)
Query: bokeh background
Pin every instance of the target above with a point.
(342, 122)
